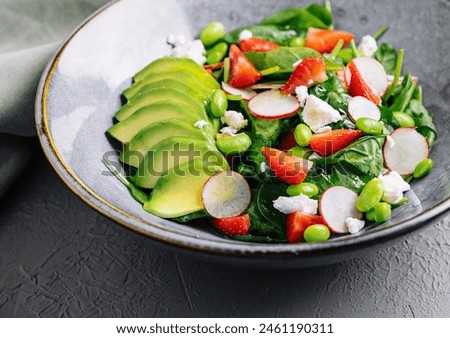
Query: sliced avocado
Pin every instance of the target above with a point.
(183, 76)
(154, 96)
(193, 92)
(146, 140)
(179, 192)
(126, 130)
(176, 64)
(171, 153)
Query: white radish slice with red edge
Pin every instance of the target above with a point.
(359, 107)
(245, 93)
(226, 194)
(273, 105)
(373, 73)
(405, 150)
(336, 205)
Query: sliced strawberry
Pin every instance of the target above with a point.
(297, 222)
(356, 84)
(287, 168)
(328, 143)
(255, 44)
(288, 141)
(324, 40)
(309, 72)
(242, 72)
(233, 226)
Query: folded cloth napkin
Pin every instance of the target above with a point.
(30, 32)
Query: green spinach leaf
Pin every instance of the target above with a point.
(277, 34)
(387, 56)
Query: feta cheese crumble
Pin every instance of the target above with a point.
(201, 124)
(182, 48)
(302, 94)
(394, 186)
(245, 35)
(234, 119)
(228, 131)
(368, 46)
(354, 225)
(323, 130)
(263, 167)
(302, 203)
(318, 113)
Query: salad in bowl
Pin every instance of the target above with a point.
(283, 131)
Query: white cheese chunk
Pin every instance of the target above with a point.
(201, 124)
(234, 119)
(288, 205)
(245, 35)
(302, 94)
(323, 130)
(263, 167)
(228, 131)
(354, 225)
(394, 186)
(368, 46)
(182, 48)
(318, 113)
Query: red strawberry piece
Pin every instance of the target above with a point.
(309, 72)
(328, 143)
(233, 226)
(288, 141)
(255, 44)
(287, 168)
(297, 222)
(242, 72)
(324, 40)
(356, 84)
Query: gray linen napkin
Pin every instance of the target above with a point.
(30, 32)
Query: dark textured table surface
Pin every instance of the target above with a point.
(59, 258)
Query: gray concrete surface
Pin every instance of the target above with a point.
(59, 258)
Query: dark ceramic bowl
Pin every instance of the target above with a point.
(80, 90)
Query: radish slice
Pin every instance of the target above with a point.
(347, 77)
(267, 86)
(336, 205)
(226, 194)
(405, 150)
(373, 73)
(359, 106)
(273, 105)
(245, 93)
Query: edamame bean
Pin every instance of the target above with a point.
(383, 212)
(297, 42)
(370, 215)
(307, 189)
(423, 168)
(233, 145)
(212, 33)
(217, 53)
(219, 103)
(404, 120)
(370, 196)
(316, 233)
(302, 135)
(369, 126)
(300, 152)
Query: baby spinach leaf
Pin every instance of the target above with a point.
(277, 34)
(333, 92)
(190, 217)
(267, 193)
(283, 57)
(387, 56)
(423, 120)
(300, 19)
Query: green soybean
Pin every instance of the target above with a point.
(383, 212)
(423, 168)
(404, 120)
(370, 215)
(370, 196)
(233, 145)
(369, 126)
(219, 103)
(212, 33)
(216, 53)
(316, 233)
(297, 42)
(300, 152)
(307, 189)
(302, 135)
